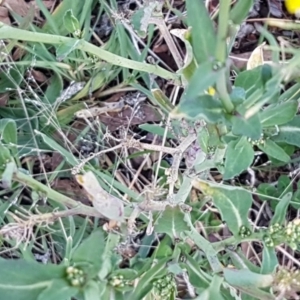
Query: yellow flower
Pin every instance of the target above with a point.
(293, 7)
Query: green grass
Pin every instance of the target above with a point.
(196, 217)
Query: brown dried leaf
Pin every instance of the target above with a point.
(145, 114)
(4, 15)
(71, 189)
(39, 76)
(3, 99)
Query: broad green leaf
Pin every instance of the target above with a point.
(233, 204)
(249, 80)
(205, 107)
(240, 11)
(54, 88)
(5, 156)
(8, 131)
(59, 289)
(203, 33)
(23, 280)
(171, 221)
(64, 49)
(92, 291)
(281, 209)
(57, 17)
(239, 156)
(279, 114)
(213, 291)
(246, 278)
(204, 77)
(289, 133)
(269, 261)
(273, 150)
(56, 147)
(247, 127)
(71, 23)
(90, 251)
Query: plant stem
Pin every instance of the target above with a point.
(8, 32)
(221, 53)
(55, 196)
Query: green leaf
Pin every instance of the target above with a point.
(273, 150)
(289, 133)
(205, 107)
(8, 131)
(281, 209)
(203, 33)
(269, 261)
(213, 291)
(240, 11)
(90, 251)
(54, 88)
(57, 17)
(112, 241)
(156, 129)
(162, 101)
(244, 278)
(249, 80)
(92, 291)
(250, 127)
(204, 77)
(279, 114)
(5, 155)
(23, 280)
(59, 289)
(10, 79)
(233, 204)
(171, 221)
(64, 49)
(55, 146)
(71, 23)
(239, 156)
(145, 283)
(198, 277)
(204, 245)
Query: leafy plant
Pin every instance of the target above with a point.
(218, 125)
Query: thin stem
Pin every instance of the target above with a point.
(8, 32)
(55, 196)
(221, 53)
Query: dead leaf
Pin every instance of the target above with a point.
(3, 99)
(146, 113)
(21, 7)
(39, 76)
(72, 189)
(256, 58)
(4, 15)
